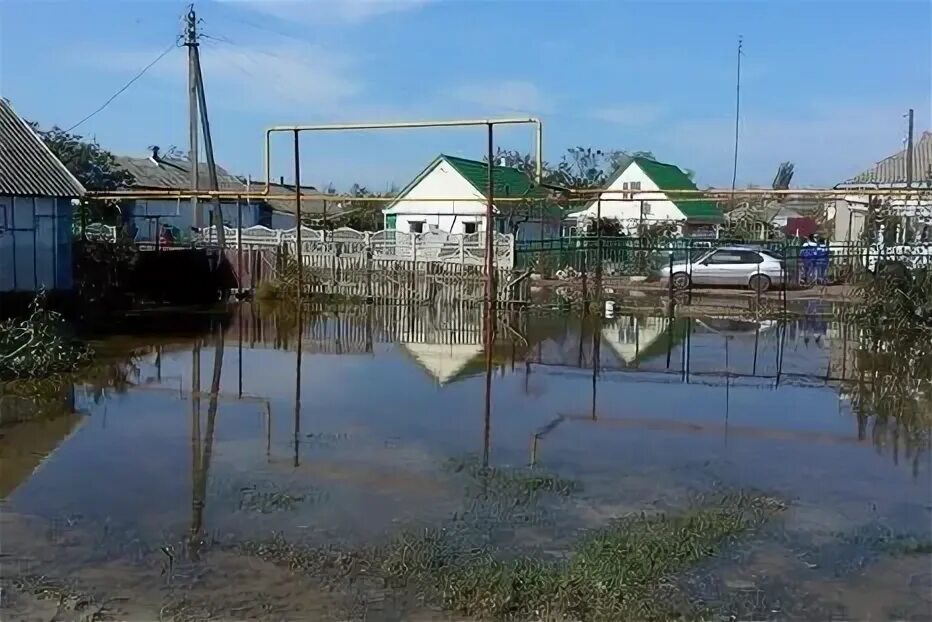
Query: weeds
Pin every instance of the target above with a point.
(885, 540)
(252, 499)
(39, 345)
(522, 484)
(618, 572)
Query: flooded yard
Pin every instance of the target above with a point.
(624, 468)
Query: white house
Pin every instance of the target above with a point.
(36, 210)
(450, 195)
(889, 173)
(642, 192)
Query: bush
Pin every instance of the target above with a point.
(39, 345)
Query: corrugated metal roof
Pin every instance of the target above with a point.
(281, 199)
(174, 174)
(27, 167)
(892, 170)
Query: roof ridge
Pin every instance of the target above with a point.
(481, 162)
(653, 161)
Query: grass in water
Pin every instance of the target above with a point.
(613, 573)
(621, 572)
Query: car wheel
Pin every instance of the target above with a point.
(680, 280)
(759, 283)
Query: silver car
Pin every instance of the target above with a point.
(742, 266)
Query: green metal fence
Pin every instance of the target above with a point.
(638, 256)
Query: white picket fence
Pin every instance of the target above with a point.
(388, 244)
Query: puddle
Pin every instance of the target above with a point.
(589, 420)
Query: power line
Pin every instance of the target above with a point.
(125, 86)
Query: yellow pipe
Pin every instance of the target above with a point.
(331, 127)
(698, 195)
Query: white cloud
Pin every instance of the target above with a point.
(323, 11)
(629, 115)
(827, 143)
(508, 96)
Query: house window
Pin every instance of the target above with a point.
(416, 226)
(632, 185)
(469, 227)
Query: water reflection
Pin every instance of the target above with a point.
(640, 410)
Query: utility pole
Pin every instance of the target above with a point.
(734, 174)
(209, 151)
(909, 150)
(198, 107)
(190, 41)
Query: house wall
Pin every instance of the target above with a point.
(141, 216)
(282, 220)
(531, 230)
(35, 244)
(442, 182)
(656, 206)
(849, 220)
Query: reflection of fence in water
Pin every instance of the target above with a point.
(355, 329)
(708, 350)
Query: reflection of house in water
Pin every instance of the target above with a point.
(447, 342)
(637, 339)
(31, 430)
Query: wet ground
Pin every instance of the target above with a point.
(176, 484)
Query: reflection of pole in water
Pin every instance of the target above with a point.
(297, 390)
(781, 344)
(239, 358)
(268, 431)
(487, 420)
(202, 469)
(195, 434)
(596, 348)
(728, 386)
(756, 341)
(687, 345)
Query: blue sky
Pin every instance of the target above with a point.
(825, 84)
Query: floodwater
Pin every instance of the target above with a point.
(129, 495)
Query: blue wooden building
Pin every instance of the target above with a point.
(37, 195)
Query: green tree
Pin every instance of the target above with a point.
(362, 214)
(580, 167)
(94, 167)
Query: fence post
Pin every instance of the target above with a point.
(462, 248)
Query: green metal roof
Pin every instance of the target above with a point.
(670, 178)
(508, 183)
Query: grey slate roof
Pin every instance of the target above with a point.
(892, 170)
(174, 174)
(281, 199)
(27, 167)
